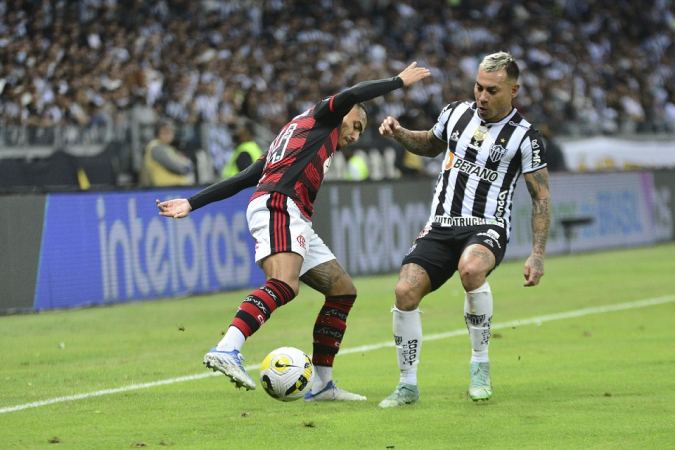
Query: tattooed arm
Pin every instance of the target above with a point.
(537, 185)
(422, 143)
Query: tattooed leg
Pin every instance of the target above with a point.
(413, 284)
(474, 265)
(330, 279)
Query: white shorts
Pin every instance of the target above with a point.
(277, 226)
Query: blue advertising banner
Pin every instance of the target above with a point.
(103, 248)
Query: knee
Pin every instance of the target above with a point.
(347, 287)
(344, 286)
(407, 297)
(472, 277)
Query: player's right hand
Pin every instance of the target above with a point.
(390, 127)
(177, 208)
(412, 74)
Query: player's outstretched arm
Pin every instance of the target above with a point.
(537, 185)
(340, 104)
(177, 208)
(221, 190)
(422, 143)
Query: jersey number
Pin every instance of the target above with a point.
(278, 147)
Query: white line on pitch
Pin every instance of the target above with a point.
(364, 348)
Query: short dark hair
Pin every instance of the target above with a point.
(365, 110)
(164, 123)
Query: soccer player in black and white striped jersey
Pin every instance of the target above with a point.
(487, 145)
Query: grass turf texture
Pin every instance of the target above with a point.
(595, 381)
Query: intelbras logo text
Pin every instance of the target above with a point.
(159, 257)
(474, 169)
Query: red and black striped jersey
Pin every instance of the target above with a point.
(300, 155)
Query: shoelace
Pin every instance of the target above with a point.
(481, 376)
(403, 390)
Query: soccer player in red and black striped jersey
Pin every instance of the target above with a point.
(279, 216)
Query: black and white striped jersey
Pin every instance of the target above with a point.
(481, 166)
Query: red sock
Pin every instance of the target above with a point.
(257, 308)
(330, 327)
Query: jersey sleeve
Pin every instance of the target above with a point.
(533, 152)
(248, 177)
(336, 107)
(440, 129)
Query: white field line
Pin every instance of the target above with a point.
(364, 348)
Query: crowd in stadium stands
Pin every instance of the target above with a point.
(589, 66)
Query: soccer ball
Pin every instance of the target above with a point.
(287, 374)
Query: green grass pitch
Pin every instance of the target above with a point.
(594, 378)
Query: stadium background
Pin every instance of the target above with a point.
(83, 83)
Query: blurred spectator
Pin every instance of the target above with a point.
(357, 167)
(162, 164)
(246, 152)
(592, 67)
(555, 158)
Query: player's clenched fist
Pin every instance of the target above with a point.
(390, 127)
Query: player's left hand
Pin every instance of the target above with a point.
(534, 270)
(177, 208)
(412, 74)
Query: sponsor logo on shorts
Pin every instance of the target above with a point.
(424, 232)
(491, 234)
(446, 221)
(489, 242)
(411, 249)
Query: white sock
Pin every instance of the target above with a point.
(408, 339)
(322, 376)
(233, 340)
(409, 376)
(478, 317)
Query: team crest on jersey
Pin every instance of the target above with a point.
(497, 152)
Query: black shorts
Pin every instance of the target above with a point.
(438, 249)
